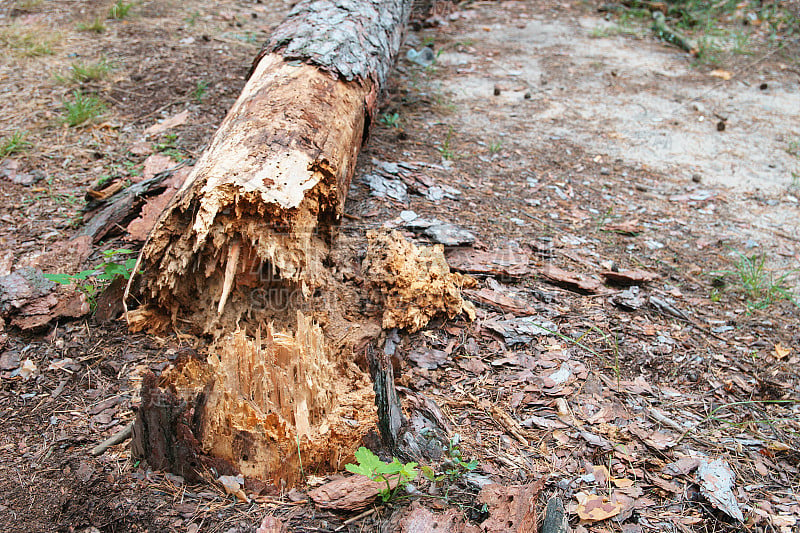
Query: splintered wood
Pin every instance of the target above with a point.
(414, 283)
(262, 405)
(262, 200)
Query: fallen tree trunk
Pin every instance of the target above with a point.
(264, 199)
(239, 254)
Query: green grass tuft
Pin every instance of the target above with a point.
(96, 26)
(13, 144)
(760, 286)
(82, 109)
(120, 10)
(29, 42)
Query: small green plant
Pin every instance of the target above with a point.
(95, 26)
(13, 144)
(49, 193)
(793, 147)
(191, 20)
(396, 473)
(92, 282)
(495, 147)
(600, 32)
(446, 149)
(200, 91)
(120, 10)
(741, 43)
(29, 42)
(454, 465)
(795, 183)
(391, 119)
(82, 108)
(169, 146)
(603, 218)
(708, 51)
(760, 286)
(84, 72)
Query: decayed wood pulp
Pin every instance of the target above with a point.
(262, 200)
(265, 405)
(414, 283)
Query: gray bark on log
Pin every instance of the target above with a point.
(356, 40)
(555, 518)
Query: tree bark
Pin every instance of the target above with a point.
(275, 395)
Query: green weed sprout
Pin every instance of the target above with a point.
(370, 465)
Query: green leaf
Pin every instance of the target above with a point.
(393, 468)
(358, 469)
(366, 458)
(61, 279)
(430, 474)
(112, 253)
(85, 274)
(409, 471)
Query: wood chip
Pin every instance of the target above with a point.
(570, 280)
(347, 494)
(629, 277)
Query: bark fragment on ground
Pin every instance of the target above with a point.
(352, 493)
(29, 300)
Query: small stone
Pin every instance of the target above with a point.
(696, 178)
(496, 90)
(527, 95)
(449, 235)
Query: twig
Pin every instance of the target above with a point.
(357, 517)
(118, 437)
(503, 418)
(658, 416)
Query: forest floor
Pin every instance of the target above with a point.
(559, 136)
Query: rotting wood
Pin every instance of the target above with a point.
(264, 407)
(415, 283)
(555, 518)
(277, 394)
(275, 176)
